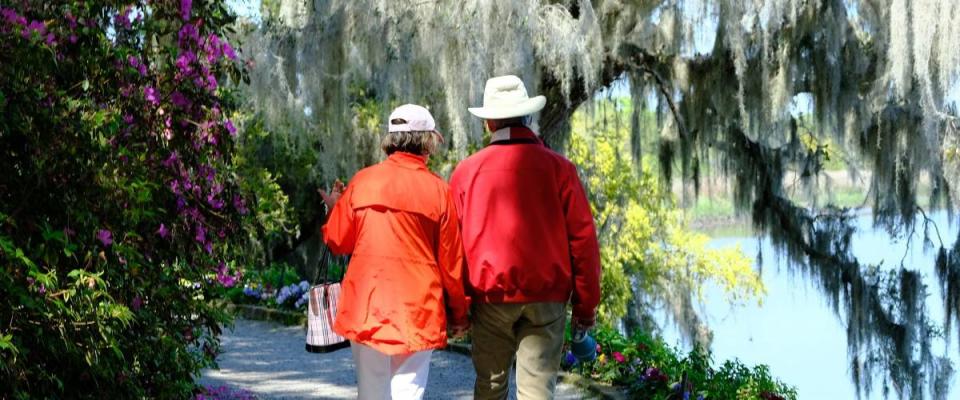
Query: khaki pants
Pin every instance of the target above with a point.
(531, 333)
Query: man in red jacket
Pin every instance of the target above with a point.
(530, 244)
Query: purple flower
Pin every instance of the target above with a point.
(185, 9)
(228, 51)
(201, 235)
(150, 94)
(213, 42)
(211, 83)
(210, 173)
(240, 205)
(184, 61)
(188, 33)
(73, 39)
(123, 18)
(34, 26)
(9, 15)
(136, 303)
(128, 119)
(50, 40)
(171, 160)
(214, 202)
(224, 278)
(136, 64)
(105, 237)
(230, 128)
(570, 359)
(163, 231)
(71, 20)
(43, 289)
(179, 100)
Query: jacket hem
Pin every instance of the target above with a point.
(521, 298)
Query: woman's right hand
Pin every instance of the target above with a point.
(330, 199)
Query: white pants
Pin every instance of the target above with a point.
(382, 377)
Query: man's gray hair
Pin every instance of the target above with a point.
(510, 122)
(416, 142)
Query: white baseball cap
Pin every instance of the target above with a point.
(411, 118)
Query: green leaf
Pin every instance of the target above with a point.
(50, 234)
(69, 250)
(18, 254)
(6, 245)
(120, 312)
(6, 342)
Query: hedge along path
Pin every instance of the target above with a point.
(269, 360)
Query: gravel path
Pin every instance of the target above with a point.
(269, 360)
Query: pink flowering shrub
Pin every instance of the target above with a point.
(122, 206)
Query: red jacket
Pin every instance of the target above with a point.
(398, 221)
(527, 228)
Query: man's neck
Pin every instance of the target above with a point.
(512, 132)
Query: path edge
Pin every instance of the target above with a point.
(259, 313)
(247, 311)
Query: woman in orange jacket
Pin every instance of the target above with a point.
(403, 286)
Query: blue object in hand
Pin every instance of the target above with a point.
(584, 347)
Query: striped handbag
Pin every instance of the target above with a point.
(322, 311)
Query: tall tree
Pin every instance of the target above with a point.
(725, 74)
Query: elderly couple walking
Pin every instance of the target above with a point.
(504, 247)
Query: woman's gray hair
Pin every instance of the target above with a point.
(416, 142)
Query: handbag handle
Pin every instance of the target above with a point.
(324, 267)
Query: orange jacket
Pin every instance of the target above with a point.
(398, 221)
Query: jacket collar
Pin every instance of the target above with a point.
(408, 160)
(518, 133)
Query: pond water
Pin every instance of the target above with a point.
(796, 332)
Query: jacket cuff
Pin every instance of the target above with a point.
(582, 312)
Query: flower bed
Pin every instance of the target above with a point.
(276, 287)
(650, 369)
